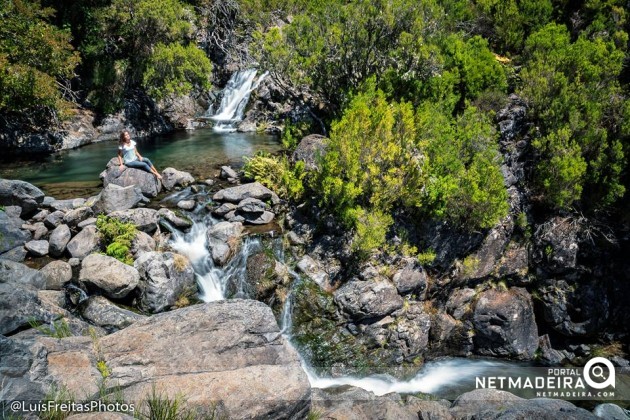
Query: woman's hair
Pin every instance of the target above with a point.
(121, 138)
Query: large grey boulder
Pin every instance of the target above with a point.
(37, 248)
(142, 242)
(314, 271)
(229, 355)
(19, 305)
(368, 299)
(58, 240)
(504, 324)
(66, 205)
(84, 243)
(309, 150)
(114, 197)
(73, 217)
(164, 278)
(496, 404)
(171, 178)
(148, 183)
(174, 220)
(241, 192)
(143, 219)
(410, 279)
(112, 277)
(22, 194)
(223, 240)
(15, 272)
(11, 233)
(56, 273)
(17, 254)
(54, 219)
(100, 311)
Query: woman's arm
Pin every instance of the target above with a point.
(120, 160)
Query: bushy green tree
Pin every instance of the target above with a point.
(35, 57)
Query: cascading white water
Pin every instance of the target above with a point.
(235, 96)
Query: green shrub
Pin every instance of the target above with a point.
(59, 328)
(117, 237)
(277, 174)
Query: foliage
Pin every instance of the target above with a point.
(574, 93)
(117, 237)
(427, 257)
(35, 57)
(58, 328)
(292, 134)
(277, 174)
(160, 407)
(175, 70)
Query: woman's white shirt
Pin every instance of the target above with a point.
(129, 151)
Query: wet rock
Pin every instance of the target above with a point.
(17, 254)
(208, 368)
(309, 150)
(147, 182)
(142, 243)
(223, 240)
(241, 192)
(575, 309)
(186, 204)
(410, 279)
(547, 354)
(496, 404)
(11, 233)
(556, 244)
(504, 324)
(37, 248)
(228, 173)
(143, 219)
(171, 178)
(252, 205)
(257, 218)
(410, 332)
(100, 311)
(314, 271)
(164, 278)
(114, 197)
(174, 219)
(74, 217)
(15, 272)
(351, 403)
(84, 243)
(368, 299)
(22, 194)
(56, 273)
(58, 240)
(54, 219)
(114, 278)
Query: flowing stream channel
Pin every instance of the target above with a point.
(445, 378)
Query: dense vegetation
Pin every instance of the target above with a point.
(407, 90)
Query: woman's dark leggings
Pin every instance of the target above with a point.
(144, 164)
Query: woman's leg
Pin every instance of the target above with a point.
(151, 167)
(136, 164)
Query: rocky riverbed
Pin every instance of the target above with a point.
(81, 321)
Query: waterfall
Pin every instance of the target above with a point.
(235, 96)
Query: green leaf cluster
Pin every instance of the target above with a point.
(277, 174)
(117, 237)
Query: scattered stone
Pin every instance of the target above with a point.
(228, 173)
(11, 233)
(256, 218)
(143, 242)
(294, 238)
(40, 216)
(109, 275)
(58, 240)
(56, 273)
(114, 197)
(74, 262)
(504, 324)
(74, 217)
(54, 219)
(209, 182)
(252, 205)
(145, 220)
(17, 254)
(309, 150)
(164, 278)
(410, 279)
(62, 205)
(241, 192)
(224, 209)
(17, 273)
(186, 204)
(100, 311)
(37, 248)
(22, 194)
(171, 177)
(84, 243)
(368, 299)
(147, 182)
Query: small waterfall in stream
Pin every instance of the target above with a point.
(454, 376)
(235, 96)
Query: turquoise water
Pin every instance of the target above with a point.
(199, 152)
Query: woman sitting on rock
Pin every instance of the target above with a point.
(128, 153)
